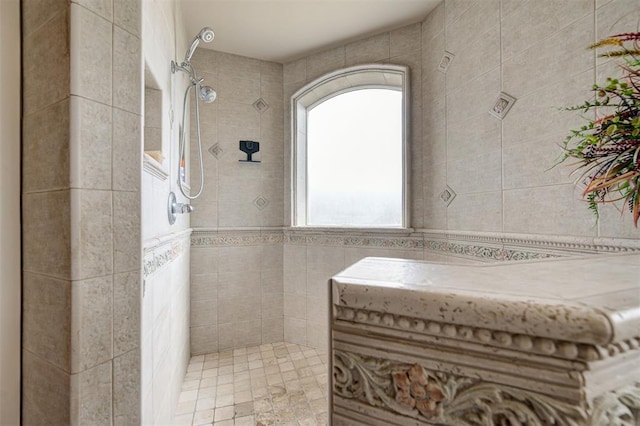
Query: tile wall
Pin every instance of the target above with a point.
(165, 298)
(537, 52)
(81, 212)
(236, 282)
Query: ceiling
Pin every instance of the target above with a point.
(286, 30)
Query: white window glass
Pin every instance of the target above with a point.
(354, 160)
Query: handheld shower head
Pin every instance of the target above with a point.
(207, 94)
(206, 35)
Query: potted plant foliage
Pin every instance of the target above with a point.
(607, 148)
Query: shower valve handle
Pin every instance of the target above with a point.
(175, 208)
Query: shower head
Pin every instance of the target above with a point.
(207, 94)
(206, 35)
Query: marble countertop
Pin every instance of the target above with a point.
(593, 299)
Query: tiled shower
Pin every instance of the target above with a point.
(117, 301)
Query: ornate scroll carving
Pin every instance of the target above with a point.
(618, 408)
(440, 398)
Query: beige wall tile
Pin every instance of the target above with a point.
(127, 71)
(204, 286)
(272, 330)
(45, 138)
(126, 389)
(563, 53)
(91, 401)
(204, 340)
(126, 231)
(371, 49)
(126, 151)
(90, 144)
(476, 212)
(235, 89)
(530, 164)
(616, 222)
(433, 24)
(271, 72)
(271, 281)
(527, 23)
(91, 55)
(126, 312)
(317, 335)
(91, 233)
(405, 40)
(318, 310)
(247, 333)
(91, 323)
(557, 210)
(472, 136)
(240, 66)
(206, 212)
(615, 17)
(204, 260)
(318, 282)
(238, 283)
(323, 62)
(127, 14)
(46, 233)
(225, 338)
(49, 50)
(204, 312)
(466, 21)
(295, 306)
(45, 392)
(295, 331)
(272, 305)
(455, 8)
(240, 258)
(538, 116)
(478, 173)
(272, 257)
(295, 280)
(104, 8)
(479, 57)
(475, 97)
(46, 319)
(35, 14)
(295, 71)
(325, 259)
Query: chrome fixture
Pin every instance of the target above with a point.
(204, 93)
(175, 208)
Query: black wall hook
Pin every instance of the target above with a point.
(249, 148)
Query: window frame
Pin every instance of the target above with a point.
(366, 76)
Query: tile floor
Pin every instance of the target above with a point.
(279, 384)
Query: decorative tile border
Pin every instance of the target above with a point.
(479, 246)
(159, 252)
(484, 252)
(239, 237)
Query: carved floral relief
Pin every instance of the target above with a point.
(445, 399)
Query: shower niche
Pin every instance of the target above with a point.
(153, 123)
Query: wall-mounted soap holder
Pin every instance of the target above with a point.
(249, 148)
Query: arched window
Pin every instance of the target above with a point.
(349, 149)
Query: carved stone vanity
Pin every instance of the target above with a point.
(551, 342)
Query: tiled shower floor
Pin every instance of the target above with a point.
(274, 384)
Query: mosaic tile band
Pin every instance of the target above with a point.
(479, 246)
